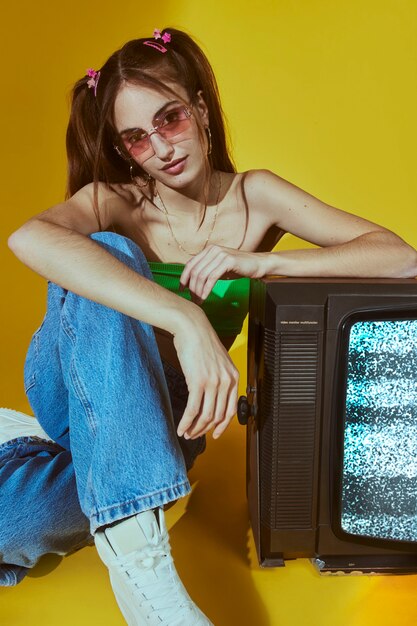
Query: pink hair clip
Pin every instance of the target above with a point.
(166, 38)
(94, 76)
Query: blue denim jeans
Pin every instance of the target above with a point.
(97, 384)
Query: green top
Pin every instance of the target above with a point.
(226, 306)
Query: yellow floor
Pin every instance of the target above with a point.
(215, 555)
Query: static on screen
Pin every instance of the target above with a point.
(379, 479)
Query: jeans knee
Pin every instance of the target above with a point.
(125, 250)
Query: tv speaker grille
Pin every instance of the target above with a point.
(288, 407)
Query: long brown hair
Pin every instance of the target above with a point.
(91, 133)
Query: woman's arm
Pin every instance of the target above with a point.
(372, 255)
(55, 244)
(350, 245)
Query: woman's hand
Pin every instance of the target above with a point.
(211, 377)
(214, 262)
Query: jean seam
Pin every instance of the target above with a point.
(147, 495)
(82, 396)
(76, 381)
(68, 329)
(11, 447)
(173, 493)
(31, 380)
(30, 383)
(138, 498)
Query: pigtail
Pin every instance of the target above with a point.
(81, 139)
(91, 139)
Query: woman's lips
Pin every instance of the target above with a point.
(176, 167)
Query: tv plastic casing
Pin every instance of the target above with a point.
(296, 367)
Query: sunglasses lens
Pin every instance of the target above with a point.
(138, 147)
(174, 123)
(168, 126)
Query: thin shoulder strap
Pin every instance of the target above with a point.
(245, 202)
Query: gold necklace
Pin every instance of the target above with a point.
(212, 226)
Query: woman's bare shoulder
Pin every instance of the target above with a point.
(270, 194)
(260, 187)
(261, 181)
(91, 208)
(111, 197)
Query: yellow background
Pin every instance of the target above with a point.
(324, 93)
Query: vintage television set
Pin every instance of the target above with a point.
(331, 414)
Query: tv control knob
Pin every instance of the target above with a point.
(243, 410)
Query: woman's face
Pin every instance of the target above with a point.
(174, 156)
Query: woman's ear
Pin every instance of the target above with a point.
(201, 106)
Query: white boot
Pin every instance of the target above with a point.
(142, 573)
(16, 424)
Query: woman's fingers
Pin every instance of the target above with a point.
(204, 423)
(231, 410)
(204, 420)
(204, 276)
(192, 409)
(204, 256)
(211, 377)
(217, 411)
(199, 410)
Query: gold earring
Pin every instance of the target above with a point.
(119, 152)
(210, 145)
(135, 182)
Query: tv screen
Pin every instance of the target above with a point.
(379, 467)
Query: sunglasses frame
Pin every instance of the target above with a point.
(155, 129)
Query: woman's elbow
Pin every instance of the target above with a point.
(402, 256)
(13, 240)
(18, 239)
(403, 260)
(410, 269)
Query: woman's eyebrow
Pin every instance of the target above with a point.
(155, 117)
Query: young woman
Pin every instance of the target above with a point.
(148, 264)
